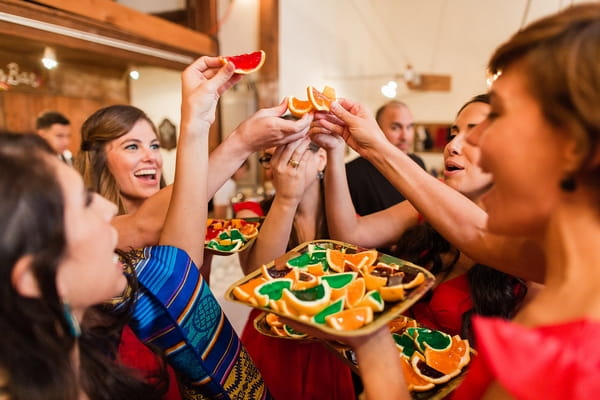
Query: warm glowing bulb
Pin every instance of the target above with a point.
(49, 58)
(134, 74)
(389, 89)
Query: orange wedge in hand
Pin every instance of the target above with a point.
(299, 107)
(321, 100)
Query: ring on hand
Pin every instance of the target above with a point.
(293, 163)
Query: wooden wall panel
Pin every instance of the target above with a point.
(20, 110)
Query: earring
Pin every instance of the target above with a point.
(74, 328)
(320, 175)
(568, 184)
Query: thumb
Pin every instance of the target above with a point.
(222, 76)
(341, 112)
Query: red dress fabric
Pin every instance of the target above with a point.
(134, 354)
(294, 370)
(445, 309)
(552, 362)
(248, 205)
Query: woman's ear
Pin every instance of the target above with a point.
(23, 279)
(322, 159)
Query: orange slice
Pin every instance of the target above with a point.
(273, 320)
(449, 361)
(355, 291)
(299, 107)
(309, 301)
(336, 260)
(372, 299)
(376, 276)
(414, 382)
(351, 319)
(304, 280)
(246, 63)
(271, 290)
(362, 258)
(245, 292)
(249, 231)
(392, 293)
(340, 261)
(426, 372)
(318, 99)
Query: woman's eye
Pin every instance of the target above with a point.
(131, 147)
(492, 115)
(155, 146)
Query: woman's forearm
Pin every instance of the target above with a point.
(457, 218)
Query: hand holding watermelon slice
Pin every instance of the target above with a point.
(246, 63)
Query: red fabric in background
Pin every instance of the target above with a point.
(135, 354)
(248, 205)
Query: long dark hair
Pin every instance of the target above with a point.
(494, 293)
(36, 347)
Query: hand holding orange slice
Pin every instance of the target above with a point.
(320, 101)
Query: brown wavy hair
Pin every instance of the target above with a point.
(560, 55)
(101, 128)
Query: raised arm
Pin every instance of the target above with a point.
(342, 220)
(275, 231)
(457, 218)
(262, 130)
(203, 82)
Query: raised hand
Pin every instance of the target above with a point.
(353, 122)
(203, 82)
(289, 165)
(267, 129)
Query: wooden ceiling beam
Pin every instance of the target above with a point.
(138, 23)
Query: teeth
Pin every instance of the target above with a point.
(145, 172)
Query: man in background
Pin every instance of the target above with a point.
(370, 190)
(55, 128)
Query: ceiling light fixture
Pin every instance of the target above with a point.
(134, 74)
(49, 58)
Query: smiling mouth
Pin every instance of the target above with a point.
(148, 174)
(452, 168)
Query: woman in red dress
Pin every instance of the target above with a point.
(293, 370)
(541, 143)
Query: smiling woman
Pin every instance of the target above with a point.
(120, 156)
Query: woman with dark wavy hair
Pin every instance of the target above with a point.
(59, 268)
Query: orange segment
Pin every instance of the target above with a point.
(362, 258)
(449, 361)
(299, 107)
(309, 301)
(340, 261)
(273, 320)
(249, 231)
(319, 100)
(392, 293)
(245, 292)
(351, 319)
(414, 381)
(355, 291)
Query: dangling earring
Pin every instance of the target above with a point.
(74, 328)
(568, 184)
(320, 175)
